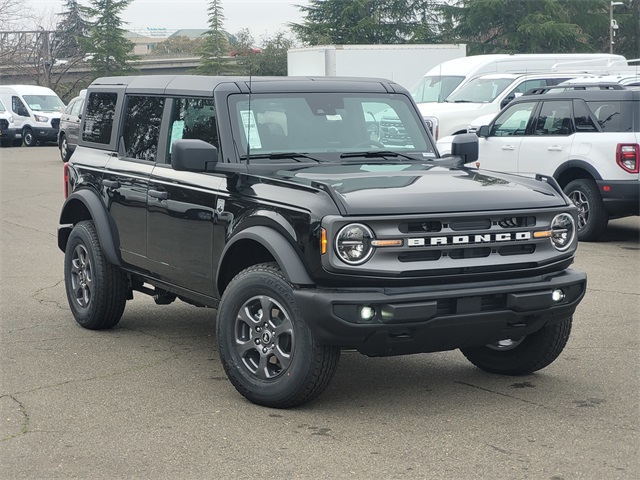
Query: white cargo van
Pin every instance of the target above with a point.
(439, 82)
(36, 112)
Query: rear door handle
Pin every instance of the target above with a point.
(111, 183)
(159, 194)
(554, 148)
(507, 148)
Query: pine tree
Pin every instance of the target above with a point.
(526, 26)
(110, 51)
(345, 22)
(216, 45)
(72, 30)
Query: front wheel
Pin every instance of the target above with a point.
(523, 355)
(268, 352)
(65, 152)
(28, 137)
(592, 216)
(96, 289)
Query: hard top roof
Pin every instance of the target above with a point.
(204, 85)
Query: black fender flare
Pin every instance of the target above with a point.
(105, 227)
(278, 246)
(582, 165)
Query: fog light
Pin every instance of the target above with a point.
(557, 296)
(367, 313)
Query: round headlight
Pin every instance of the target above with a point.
(353, 243)
(563, 229)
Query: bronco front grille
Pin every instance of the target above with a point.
(453, 245)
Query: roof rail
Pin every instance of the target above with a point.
(576, 86)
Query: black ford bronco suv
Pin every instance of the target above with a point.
(283, 203)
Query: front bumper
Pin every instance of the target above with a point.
(621, 197)
(438, 318)
(46, 134)
(9, 133)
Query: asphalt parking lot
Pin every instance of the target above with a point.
(149, 399)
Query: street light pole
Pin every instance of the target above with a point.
(611, 24)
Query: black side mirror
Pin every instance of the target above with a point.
(190, 155)
(21, 111)
(483, 131)
(465, 145)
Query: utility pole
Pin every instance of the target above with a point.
(613, 25)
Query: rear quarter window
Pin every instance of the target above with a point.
(612, 115)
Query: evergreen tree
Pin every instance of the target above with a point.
(216, 45)
(348, 22)
(72, 30)
(272, 61)
(110, 51)
(526, 26)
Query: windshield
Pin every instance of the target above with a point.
(325, 126)
(435, 88)
(480, 90)
(44, 103)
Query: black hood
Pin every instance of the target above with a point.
(374, 189)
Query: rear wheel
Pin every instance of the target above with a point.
(96, 289)
(268, 352)
(28, 137)
(523, 355)
(592, 216)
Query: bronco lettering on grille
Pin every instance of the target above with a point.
(468, 239)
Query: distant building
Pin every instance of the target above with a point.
(189, 33)
(142, 44)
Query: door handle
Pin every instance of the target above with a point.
(554, 148)
(507, 148)
(111, 183)
(159, 194)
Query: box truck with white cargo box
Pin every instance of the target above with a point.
(36, 112)
(404, 64)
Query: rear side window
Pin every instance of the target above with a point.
(142, 127)
(193, 118)
(554, 119)
(609, 116)
(98, 122)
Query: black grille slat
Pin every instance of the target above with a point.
(461, 253)
(420, 227)
(517, 250)
(470, 224)
(420, 256)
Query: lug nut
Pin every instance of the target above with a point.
(258, 329)
(264, 350)
(257, 341)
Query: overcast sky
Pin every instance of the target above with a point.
(260, 16)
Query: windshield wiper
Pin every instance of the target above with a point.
(280, 156)
(377, 154)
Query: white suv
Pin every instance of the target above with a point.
(588, 140)
(484, 95)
